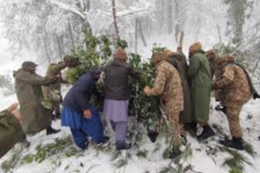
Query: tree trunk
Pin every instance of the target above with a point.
(88, 5)
(114, 18)
(58, 42)
(141, 32)
(170, 19)
(71, 36)
(46, 50)
(136, 39)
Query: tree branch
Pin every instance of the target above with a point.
(67, 7)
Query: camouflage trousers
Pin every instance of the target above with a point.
(172, 112)
(233, 110)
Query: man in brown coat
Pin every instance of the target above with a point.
(167, 84)
(235, 91)
(29, 93)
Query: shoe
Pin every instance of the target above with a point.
(184, 138)
(191, 128)
(206, 133)
(124, 146)
(236, 143)
(85, 147)
(106, 139)
(50, 130)
(153, 136)
(25, 143)
(57, 115)
(221, 108)
(175, 153)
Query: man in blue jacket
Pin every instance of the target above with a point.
(83, 118)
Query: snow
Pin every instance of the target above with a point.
(96, 162)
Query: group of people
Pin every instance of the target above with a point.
(185, 92)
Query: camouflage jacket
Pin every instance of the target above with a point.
(53, 91)
(233, 84)
(167, 84)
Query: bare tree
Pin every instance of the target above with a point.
(115, 19)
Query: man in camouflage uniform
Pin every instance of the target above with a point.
(10, 129)
(235, 91)
(168, 84)
(52, 93)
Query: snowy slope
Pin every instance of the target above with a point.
(96, 161)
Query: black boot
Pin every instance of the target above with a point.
(175, 153)
(124, 146)
(206, 133)
(184, 138)
(236, 143)
(25, 143)
(191, 128)
(50, 130)
(153, 135)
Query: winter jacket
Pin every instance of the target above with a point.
(178, 60)
(233, 84)
(52, 92)
(199, 74)
(80, 94)
(167, 84)
(10, 132)
(116, 80)
(29, 93)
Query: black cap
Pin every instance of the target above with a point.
(28, 64)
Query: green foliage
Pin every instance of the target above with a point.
(121, 43)
(235, 170)
(148, 112)
(142, 154)
(223, 49)
(95, 52)
(9, 164)
(249, 149)
(64, 146)
(157, 48)
(237, 160)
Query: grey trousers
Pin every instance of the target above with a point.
(120, 129)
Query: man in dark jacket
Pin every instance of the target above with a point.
(200, 77)
(117, 73)
(29, 93)
(78, 114)
(10, 129)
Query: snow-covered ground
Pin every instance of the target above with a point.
(203, 158)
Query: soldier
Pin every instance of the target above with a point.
(200, 77)
(10, 129)
(235, 90)
(168, 84)
(52, 93)
(178, 60)
(29, 93)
